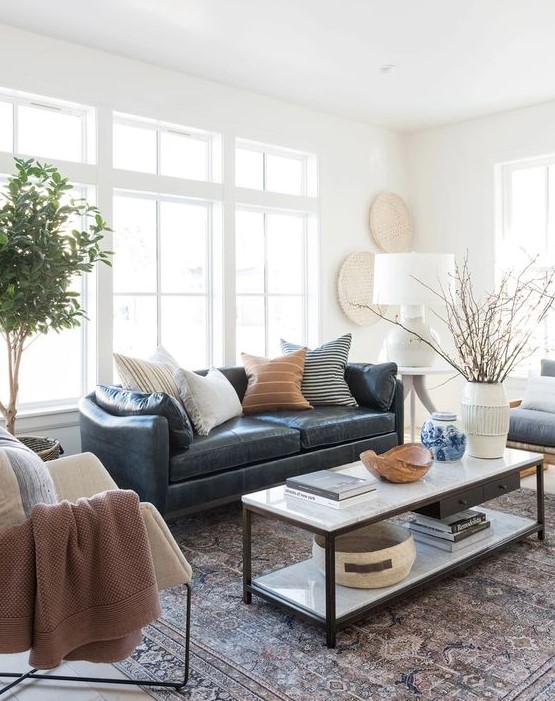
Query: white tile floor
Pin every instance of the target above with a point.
(69, 691)
(39, 690)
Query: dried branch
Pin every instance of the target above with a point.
(491, 335)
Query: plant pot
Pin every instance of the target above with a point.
(485, 415)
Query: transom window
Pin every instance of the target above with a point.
(44, 128)
(273, 169)
(152, 147)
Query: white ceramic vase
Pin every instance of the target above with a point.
(485, 416)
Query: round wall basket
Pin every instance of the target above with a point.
(390, 223)
(355, 287)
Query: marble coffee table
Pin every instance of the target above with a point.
(447, 488)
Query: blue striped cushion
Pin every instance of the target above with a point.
(324, 372)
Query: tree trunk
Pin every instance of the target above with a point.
(15, 349)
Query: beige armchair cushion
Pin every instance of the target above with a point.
(83, 475)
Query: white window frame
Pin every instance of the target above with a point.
(304, 296)
(212, 245)
(213, 142)
(307, 161)
(505, 237)
(85, 113)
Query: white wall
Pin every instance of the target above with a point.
(452, 192)
(356, 160)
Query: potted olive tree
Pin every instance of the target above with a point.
(47, 239)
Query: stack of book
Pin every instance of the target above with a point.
(329, 488)
(452, 533)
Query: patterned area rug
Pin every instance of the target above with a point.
(485, 633)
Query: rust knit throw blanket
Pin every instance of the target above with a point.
(95, 585)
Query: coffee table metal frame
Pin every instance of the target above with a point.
(263, 503)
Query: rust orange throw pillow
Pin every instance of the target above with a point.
(274, 383)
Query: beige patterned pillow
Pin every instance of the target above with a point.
(274, 383)
(209, 400)
(147, 375)
(24, 481)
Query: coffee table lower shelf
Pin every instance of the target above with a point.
(301, 587)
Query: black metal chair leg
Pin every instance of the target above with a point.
(32, 673)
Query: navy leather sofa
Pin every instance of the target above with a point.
(247, 453)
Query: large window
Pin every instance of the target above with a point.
(207, 265)
(162, 277)
(528, 233)
(50, 130)
(271, 265)
(275, 248)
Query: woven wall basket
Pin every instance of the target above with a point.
(370, 558)
(355, 287)
(390, 223)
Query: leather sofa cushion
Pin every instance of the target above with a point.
(372, 385)
(325, 426)
(533, 427)
(127, 402)
(236, 442)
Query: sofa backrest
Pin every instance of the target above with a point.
(371, 384)
(236, 375)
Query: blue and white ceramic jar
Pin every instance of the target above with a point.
(443, 437)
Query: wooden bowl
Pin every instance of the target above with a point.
(404, 463)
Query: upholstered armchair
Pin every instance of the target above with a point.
(84, 475)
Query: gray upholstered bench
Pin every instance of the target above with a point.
(532, 423)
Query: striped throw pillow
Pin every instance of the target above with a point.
(324, 372)
(274, 383)
(146, 375)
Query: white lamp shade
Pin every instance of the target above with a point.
(405, 278)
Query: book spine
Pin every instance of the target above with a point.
(310, 498)
(464, 525)
(454, 527)
(452, 537)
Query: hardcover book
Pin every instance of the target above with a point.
(332, 485)
(455, 537)
(309, 498)
(450, 545)
(454, 523)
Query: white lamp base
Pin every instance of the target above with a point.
(406, 349)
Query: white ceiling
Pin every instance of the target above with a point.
(455, 59)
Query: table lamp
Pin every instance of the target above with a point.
(408, 280)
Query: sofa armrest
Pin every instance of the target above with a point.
(134, 449)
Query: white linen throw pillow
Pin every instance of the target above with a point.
(539, 394)
(209, 400)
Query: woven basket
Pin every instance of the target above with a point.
(45, 448)
(371, 557)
